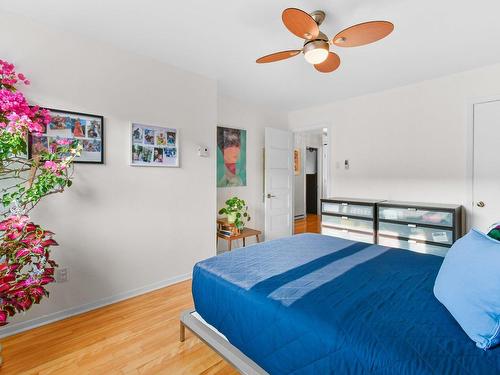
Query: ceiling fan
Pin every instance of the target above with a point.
(316, 47)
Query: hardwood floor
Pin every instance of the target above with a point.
(311, 224)
(136, 336)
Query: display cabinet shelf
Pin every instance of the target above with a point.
(350, 218)
(423, 227)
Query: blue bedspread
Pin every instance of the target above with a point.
(312, 304)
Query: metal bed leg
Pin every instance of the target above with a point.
(182, 332)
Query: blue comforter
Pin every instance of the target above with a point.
(312, 304)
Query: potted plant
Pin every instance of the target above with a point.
(25, 264)
(236, 212)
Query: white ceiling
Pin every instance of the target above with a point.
(221, 39)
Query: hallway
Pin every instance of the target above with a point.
(311, 224)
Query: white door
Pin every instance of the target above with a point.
(278, 174)
(486, 172)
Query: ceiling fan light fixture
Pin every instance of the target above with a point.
(316, 52)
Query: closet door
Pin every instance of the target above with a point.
(486, 166)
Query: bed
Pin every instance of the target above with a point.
(312, 304)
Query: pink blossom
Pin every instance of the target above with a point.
(51, 165)
(63, 141)
(54, 167)
(8, 75)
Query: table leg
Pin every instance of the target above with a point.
(182, 332)
(258, 240)
(229, 244)
(244, 243)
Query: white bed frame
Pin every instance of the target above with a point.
(218, 342)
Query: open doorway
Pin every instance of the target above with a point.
(311, 178)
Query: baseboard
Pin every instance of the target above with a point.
(13, 328)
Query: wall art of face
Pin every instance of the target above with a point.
(231, 149)
(231, 157)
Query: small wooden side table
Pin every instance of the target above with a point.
(222, 224)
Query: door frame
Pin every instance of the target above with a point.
(469, 170)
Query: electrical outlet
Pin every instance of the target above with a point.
(62, 275)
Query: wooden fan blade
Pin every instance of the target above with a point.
(278, 56)
(331, 63)
(300, 23)
(363, 33)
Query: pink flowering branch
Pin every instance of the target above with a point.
(25, 264)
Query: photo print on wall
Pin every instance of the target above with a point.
(231, 157)
(154, 146)
(86, 128)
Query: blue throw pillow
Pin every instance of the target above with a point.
(468, 285)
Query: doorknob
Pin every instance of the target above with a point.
(271, 196)
(480, 204)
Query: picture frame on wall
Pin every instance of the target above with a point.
(231, 157)
(153, 146)
(296, 161)
(87, 128)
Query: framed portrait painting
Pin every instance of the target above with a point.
(231, 157)
(86, 128)
(153, 146)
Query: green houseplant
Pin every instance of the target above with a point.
(236, 212)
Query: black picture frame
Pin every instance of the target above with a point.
(99, 160)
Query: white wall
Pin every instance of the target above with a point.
(232, 113)
(407, 143)
(121, 229)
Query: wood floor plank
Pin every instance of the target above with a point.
(136, 336)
